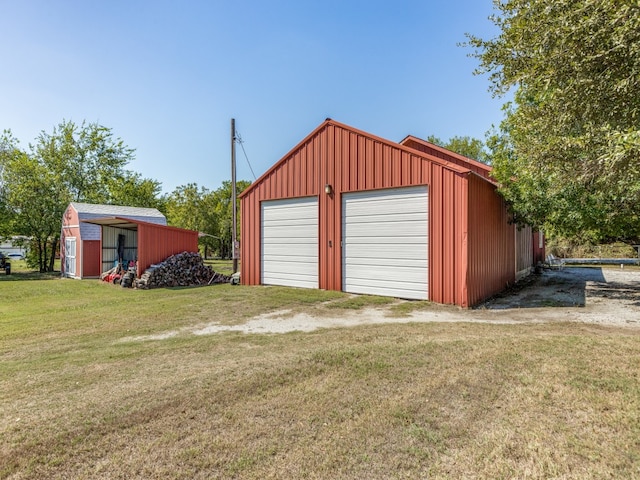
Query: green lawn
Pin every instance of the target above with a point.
(82, 397)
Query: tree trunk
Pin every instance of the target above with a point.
(54, 248)
(43, 267)
(41, 254)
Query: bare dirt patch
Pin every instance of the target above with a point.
(606, 296)
(588, 295)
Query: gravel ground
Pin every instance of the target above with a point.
(604, 296)
(607, 296)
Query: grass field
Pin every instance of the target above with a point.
(80, 397)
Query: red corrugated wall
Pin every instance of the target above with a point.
(350, 160)
(539, 253)
(423, 146)
(91, 258)
(491, 242)
(524, 251)
(157, 242)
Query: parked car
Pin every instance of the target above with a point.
(5, 263)
(16, 256)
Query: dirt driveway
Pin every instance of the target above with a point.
(607, 296)
(589, 295)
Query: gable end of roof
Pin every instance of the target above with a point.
(117, 210)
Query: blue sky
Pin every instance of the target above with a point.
(168, 76)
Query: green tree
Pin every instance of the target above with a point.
(131, 189)
(567, 154)
(74, 163)
(8, 148)
(35, 198)
(184, 207)
(85, 158)
(222, 205)
(197, 208)
(468, 146)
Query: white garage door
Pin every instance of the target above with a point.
(385, 242)
(290, 242)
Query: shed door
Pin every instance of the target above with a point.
(289, 234)
(385, 242)
(91, 258)
(70, 256)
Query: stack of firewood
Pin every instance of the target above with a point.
(181, 270)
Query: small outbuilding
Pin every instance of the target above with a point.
(346, 210)
(95, 237)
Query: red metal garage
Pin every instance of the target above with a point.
(346, 210)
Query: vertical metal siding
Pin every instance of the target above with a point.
(524, 251)
(539, 254)
(156, 243)
(426, 147)
(91, 259)
(491, 244)
(448, 217)
(350, 160)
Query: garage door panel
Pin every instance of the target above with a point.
(383, 206)
(390, 239)
(282, 262)
(286, 205)
(391, 229)
(382, 209)
(290, 280)
(287, 252)
(290, 242)
(353, 251)
(292, 222)
(371, 197)
(417, 293)
(292, 232)
(397, 263)
(288, 210)
(386, 217)
(385, 242)
(383, 283)
(302, 268)
(385, 273)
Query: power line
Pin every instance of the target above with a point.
(241, 142)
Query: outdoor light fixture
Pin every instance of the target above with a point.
(327, 189)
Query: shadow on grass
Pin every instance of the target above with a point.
(187, 287)
(29, 275)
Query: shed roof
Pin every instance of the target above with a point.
(117, 210)
(128, 223)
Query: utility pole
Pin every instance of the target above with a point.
(234, 242)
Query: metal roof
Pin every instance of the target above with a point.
(129, 223)
(117, 210)
(125, 223)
